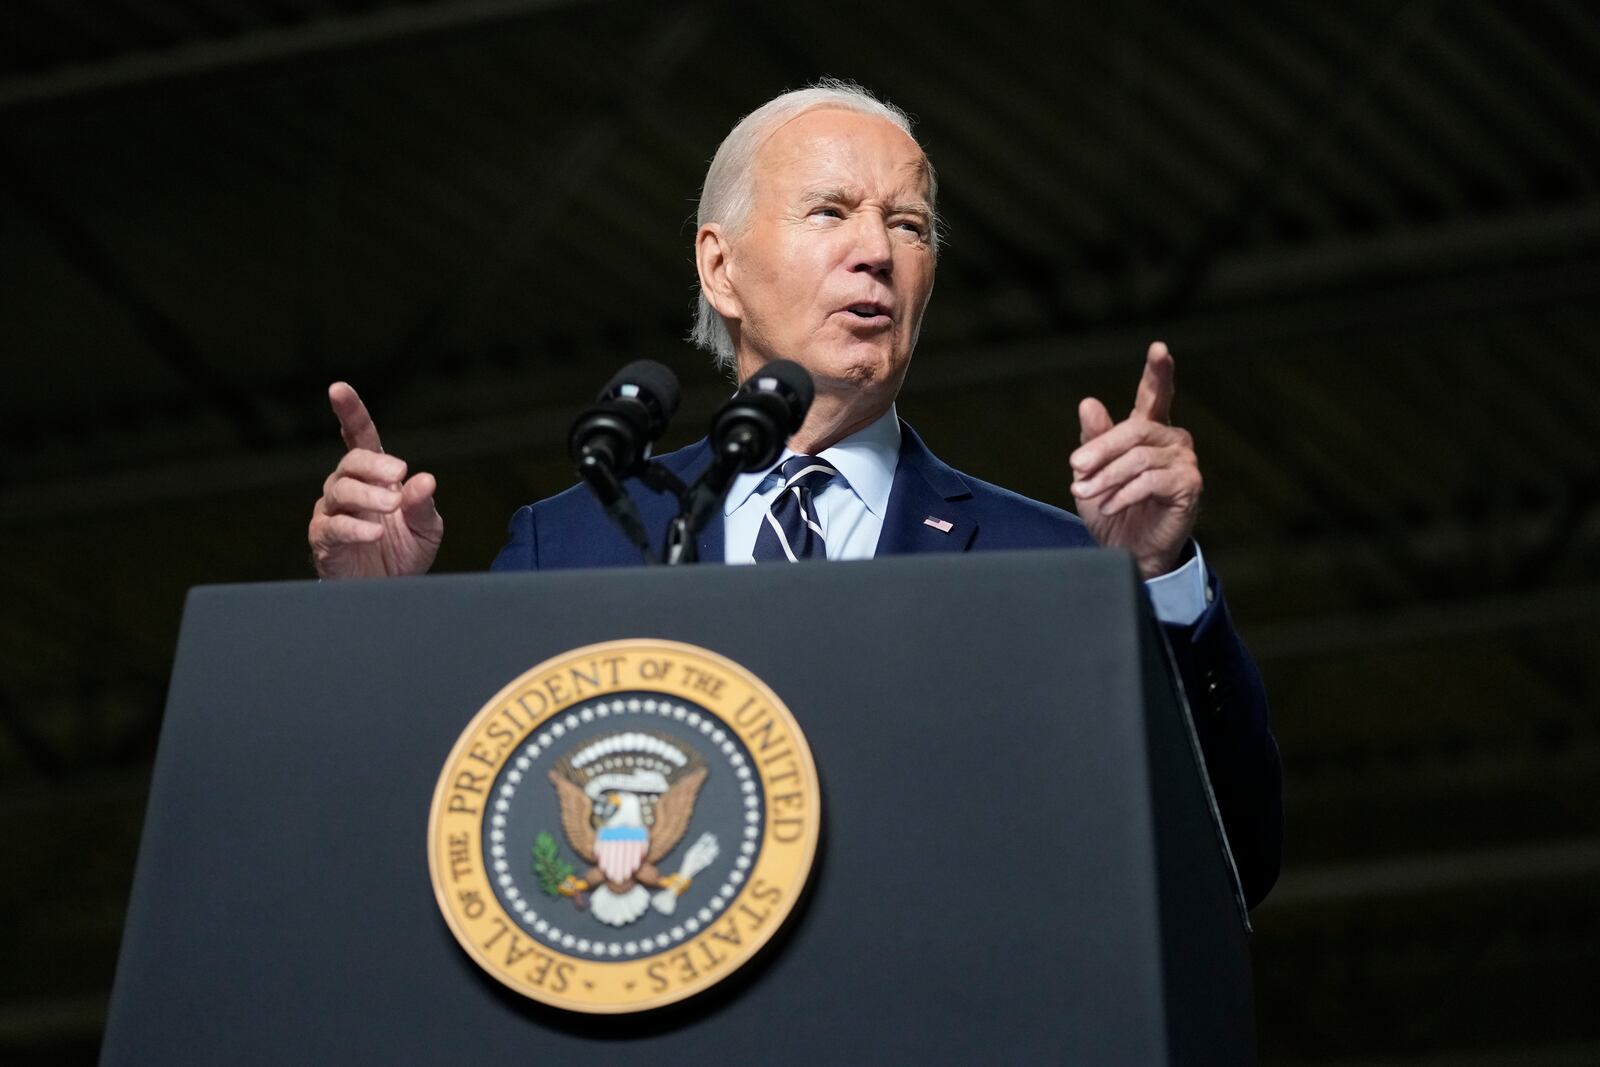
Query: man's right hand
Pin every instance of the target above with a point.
(371, 520)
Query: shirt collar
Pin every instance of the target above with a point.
(867, 459)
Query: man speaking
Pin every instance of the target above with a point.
(817, 242)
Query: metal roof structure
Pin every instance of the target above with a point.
(1369, 231)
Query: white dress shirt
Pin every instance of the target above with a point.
(850, 510)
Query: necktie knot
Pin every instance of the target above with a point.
(790, 529)
(809, 471)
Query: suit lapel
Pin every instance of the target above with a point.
(712, 540)
(925, 489)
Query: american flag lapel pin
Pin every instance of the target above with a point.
(942, 525)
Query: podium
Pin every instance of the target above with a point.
(1018, 852)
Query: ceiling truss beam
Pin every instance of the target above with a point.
(265, 46)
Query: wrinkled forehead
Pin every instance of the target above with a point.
(838, 148)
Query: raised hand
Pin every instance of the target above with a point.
(371, 520)
(1137, 482)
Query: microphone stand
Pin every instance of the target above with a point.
(618, 505)
(698, 503)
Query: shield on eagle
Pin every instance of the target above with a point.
(619, 850)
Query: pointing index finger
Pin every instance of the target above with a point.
(355, 425)
(1154, 398)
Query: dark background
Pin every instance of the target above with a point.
(1368, 230)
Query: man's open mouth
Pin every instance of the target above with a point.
(869, 310)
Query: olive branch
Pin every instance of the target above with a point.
(548, 865)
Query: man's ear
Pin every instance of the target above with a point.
(713, 258)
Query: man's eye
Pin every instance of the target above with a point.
(913, 226)
(827, 212)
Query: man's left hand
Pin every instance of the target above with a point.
(1137, 482)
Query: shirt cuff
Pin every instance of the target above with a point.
(1179, 596)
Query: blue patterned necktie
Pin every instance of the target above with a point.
(790, 530)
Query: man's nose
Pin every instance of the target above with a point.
(872, 253)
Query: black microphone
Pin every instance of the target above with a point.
(747, 433)
(631, 411)
(610, 440)
(751, 428)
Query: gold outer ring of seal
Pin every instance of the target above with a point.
(791, 813)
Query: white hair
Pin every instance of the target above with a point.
(729, 188)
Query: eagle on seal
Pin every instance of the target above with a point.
(610, 830)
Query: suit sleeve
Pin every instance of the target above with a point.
(521, 551)
(1229, 705)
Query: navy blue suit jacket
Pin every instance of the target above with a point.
(1224, 689)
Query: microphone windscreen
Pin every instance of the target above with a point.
(654, 382)
(794, 379)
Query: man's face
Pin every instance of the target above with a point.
(834, 267)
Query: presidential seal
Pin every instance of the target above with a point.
(623, 826)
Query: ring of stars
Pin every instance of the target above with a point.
(542, 743)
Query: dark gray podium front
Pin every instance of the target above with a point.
(1017, 856)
